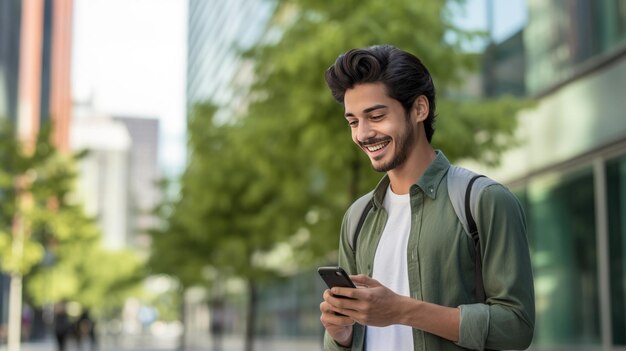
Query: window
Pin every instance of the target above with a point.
(616, 195)
(561, 228)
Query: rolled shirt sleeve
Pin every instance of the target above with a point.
(474, 326)
(331, 345)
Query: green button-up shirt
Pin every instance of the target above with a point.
(440, 258)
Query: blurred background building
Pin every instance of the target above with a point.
(103, 185)
(9, 57)
(119, 175)
(35, 45)
(218, 33)
(570, 170)
(143, 176)
(117, 180)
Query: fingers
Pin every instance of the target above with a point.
(335, 320)
(362, 279)
(331, 318)
(342, 293)
(339, 298)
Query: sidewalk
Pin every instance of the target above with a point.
(233, 343)
(46, 345)
(150, 343)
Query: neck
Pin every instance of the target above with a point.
(402, 177)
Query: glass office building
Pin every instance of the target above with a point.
(10, 11)
(567, 37)
(218, 33)
(570, 171)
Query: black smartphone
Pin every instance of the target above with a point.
(335, 276)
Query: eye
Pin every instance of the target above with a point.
(353, 123)
(377, 117)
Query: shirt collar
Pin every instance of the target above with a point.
(429, 181)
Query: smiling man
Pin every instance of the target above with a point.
(421, 284)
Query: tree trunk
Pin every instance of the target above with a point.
(182, 344)
(251, 316)
(15, 312)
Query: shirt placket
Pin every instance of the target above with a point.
(413, 256)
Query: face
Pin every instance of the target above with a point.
(380, 125)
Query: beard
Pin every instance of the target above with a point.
(403, 145)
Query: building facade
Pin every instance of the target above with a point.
(218, 33)
(34, 81)
(570, 171)
(10, 21)
(103, 182)
(143, 192)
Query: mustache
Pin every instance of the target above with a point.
(372, 141)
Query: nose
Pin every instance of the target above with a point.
(364, 131)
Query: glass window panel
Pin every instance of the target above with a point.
(620, 12)
(616, 194)
(561, 219)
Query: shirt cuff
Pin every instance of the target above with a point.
(474, 326)
(331, 345)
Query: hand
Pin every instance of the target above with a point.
(338, 327)
(373, 304)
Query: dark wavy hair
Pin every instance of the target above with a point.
(404, 76)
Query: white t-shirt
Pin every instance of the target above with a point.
(390, 269)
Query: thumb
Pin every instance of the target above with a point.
(364, 280)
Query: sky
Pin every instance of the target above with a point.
(129, 59)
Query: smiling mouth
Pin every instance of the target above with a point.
(378, 146)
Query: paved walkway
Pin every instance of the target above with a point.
(152, 343)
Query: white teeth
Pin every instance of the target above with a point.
(376, 147)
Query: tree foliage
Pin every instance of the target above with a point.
(62, 257)
(275, 181)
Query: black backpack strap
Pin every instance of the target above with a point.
(478, 274)
(366, 210)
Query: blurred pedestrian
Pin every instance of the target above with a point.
(85, 331)
(27, 321)
(62, 325)
(418, 257)
(217, 323)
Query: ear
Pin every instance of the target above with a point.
(420, 109)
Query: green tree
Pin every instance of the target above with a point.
(284, 172)
(293, 108)
(62, 257)
(230, 206)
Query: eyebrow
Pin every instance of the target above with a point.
(367, 110)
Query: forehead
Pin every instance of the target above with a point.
(362, 96)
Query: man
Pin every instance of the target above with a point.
(414, 264)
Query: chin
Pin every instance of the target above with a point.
(381, 167)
